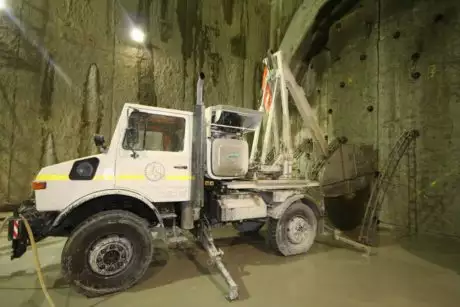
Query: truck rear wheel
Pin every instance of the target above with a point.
(109, 252)
(294, 233)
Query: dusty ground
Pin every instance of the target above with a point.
(412, 272)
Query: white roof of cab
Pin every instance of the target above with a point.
(150, 108)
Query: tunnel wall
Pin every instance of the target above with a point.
(400, 59)
(67, 68)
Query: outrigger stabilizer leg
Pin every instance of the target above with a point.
(216, 254)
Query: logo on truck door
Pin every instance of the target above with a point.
(154, 171)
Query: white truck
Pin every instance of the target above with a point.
(164, 168)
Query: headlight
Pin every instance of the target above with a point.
(84, 169)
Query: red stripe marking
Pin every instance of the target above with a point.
(15, 229)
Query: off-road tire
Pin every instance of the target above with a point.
(76, 268)
(278, 230)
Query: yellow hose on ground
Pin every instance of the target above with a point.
(36, 258)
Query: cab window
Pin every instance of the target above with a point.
(156, 132)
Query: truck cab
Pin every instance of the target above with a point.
(149, 155)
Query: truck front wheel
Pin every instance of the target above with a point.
(107, 253)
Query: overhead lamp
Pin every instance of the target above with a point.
(137, 35)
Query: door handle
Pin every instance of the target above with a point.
(181, 166)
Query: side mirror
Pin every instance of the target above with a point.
(99, 140)
(132, 137)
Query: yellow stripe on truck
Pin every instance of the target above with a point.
(54, 177)
(48, 177)
(130, 177)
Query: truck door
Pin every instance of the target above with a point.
(154, 158)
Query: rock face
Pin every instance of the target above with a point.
(67, 67)
(389, 66)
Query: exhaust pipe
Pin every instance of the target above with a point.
(198, 152)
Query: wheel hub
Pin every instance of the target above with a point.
(298, 229)
(110, 256)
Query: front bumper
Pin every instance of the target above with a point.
(17, 234)
(39, 222)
